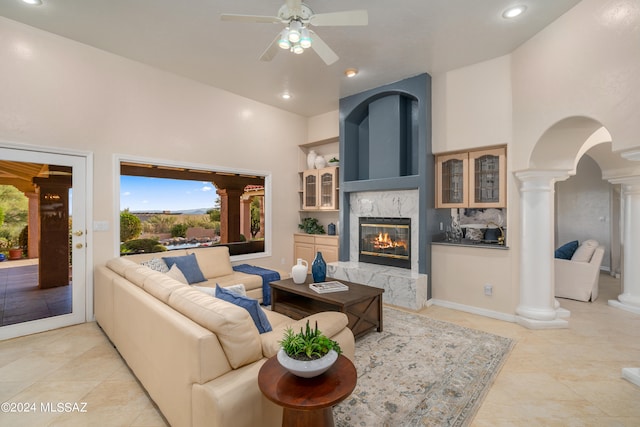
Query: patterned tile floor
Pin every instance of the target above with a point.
(565, 377)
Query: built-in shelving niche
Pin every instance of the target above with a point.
(381, 136)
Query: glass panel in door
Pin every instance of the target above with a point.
(453, 181)
(43, 287)
(487, 179)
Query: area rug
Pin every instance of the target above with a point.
(421, 372)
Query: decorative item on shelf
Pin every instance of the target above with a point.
(308, 353)
(475, 234)
(331, 229)
(319, 268)
(456, 231)
(311, 226)
(311, 159)
(320, 162)
(299, 271)
(333, 161)
(494, 234)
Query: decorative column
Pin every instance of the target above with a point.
(537, 308)
(630, 199)
(33, 251)
(245, 216)
(230, 214)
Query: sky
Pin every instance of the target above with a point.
(159, 194)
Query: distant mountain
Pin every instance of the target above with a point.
(198, 211)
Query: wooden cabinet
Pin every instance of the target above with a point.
(320, 189)
(474, 179)
(306, 246)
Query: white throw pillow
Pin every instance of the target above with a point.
(175, 273)
(156, 264)
(585, 251)
(236, 289)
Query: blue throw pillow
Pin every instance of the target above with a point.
(188, 265)
(566, 251)
(249, 304)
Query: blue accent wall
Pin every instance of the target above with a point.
(385, 145)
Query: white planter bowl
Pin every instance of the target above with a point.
(310, 368)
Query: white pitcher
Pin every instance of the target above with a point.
(299, 271)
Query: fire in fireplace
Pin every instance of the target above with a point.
(385, 241)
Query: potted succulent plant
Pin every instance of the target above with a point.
(307, 353)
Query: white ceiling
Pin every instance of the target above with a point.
(404, 38)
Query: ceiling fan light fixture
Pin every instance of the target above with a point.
(294, 31)
(512, 12)
(33, 2)
(351, 72)
(305, 38)
(297, 49)
(284, 42)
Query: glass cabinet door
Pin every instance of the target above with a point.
(452, 179)
(328, 179)
(310, 189)
(486, 170)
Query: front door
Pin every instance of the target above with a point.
(45, 287)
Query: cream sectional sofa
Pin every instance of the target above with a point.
(197, 356)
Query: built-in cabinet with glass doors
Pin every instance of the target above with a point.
(472, 179)
(320, 189)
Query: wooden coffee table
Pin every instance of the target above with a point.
(362, 304)
(307, 402)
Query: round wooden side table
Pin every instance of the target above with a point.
(307, 402)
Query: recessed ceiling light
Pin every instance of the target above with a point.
(351, 72)
(33, 2)
(286, 95)
(512, 12)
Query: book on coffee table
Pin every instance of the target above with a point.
(326, 287)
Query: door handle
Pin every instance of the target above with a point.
(79, 245)
(78, 233)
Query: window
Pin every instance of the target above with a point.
(177, 207)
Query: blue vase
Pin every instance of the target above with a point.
(319, 269)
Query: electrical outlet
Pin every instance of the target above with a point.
(488, 290)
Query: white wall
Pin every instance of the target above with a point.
(59, 93)
(586, 63)
(472, 106)
(583, 207)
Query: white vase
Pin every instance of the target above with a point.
(311, 159)
(320, 162)
(308, 368)
(299, 271)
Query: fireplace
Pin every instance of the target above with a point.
(385, 241)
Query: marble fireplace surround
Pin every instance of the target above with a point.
(402, 287)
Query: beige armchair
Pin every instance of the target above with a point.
(578, 280)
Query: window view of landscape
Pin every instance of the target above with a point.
(166, 208)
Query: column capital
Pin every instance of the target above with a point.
(540, 180)
(632, 181)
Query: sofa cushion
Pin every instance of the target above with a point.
(330, 323)
(188, 265)
(161, 286)
(251, 305)
(585, 251)
(120, 265)
(214, 262)
(233, 326)
(156, 264)
(566, 251)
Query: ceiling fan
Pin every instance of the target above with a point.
(297, 37)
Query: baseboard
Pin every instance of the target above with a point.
(474, 310)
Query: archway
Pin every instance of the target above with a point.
(554, 158)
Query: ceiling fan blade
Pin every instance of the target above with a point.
(348, 17)
(322, 49)
(271, 50)
(250, 18)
